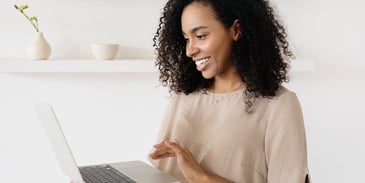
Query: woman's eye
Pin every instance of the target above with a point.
(201, 36)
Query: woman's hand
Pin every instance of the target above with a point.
(186, 162)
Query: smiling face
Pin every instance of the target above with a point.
(208, 42)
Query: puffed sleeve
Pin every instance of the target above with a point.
(285, 141)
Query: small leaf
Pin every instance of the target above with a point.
(34, 18)
(24, 6)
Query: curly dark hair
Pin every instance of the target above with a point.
(260, 56)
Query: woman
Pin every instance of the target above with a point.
(229, 118)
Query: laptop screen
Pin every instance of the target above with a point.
(57, 140)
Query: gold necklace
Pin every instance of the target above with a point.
(217, 99)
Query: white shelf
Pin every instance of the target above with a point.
(77, 65)
(91, 65)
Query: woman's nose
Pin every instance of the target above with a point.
(191, 50)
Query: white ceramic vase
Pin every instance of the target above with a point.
(39, 49)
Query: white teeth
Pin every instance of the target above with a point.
(202, 61)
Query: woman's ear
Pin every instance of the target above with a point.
(236, 30)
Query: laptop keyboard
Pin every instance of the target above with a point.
(103, 174)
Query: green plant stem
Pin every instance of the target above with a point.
(35, 26)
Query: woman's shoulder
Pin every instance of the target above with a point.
(284, 98)
(284, 93)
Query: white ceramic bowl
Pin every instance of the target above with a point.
(104, 51)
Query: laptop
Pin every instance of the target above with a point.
(129, 172)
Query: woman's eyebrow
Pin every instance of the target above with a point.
(195, 29)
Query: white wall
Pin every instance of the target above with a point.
(93, 107)
(70, 26)
(328, 31)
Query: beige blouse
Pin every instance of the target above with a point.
(265, 146)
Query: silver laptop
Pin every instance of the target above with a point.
(132, 171)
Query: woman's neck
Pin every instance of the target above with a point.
(227, 84)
